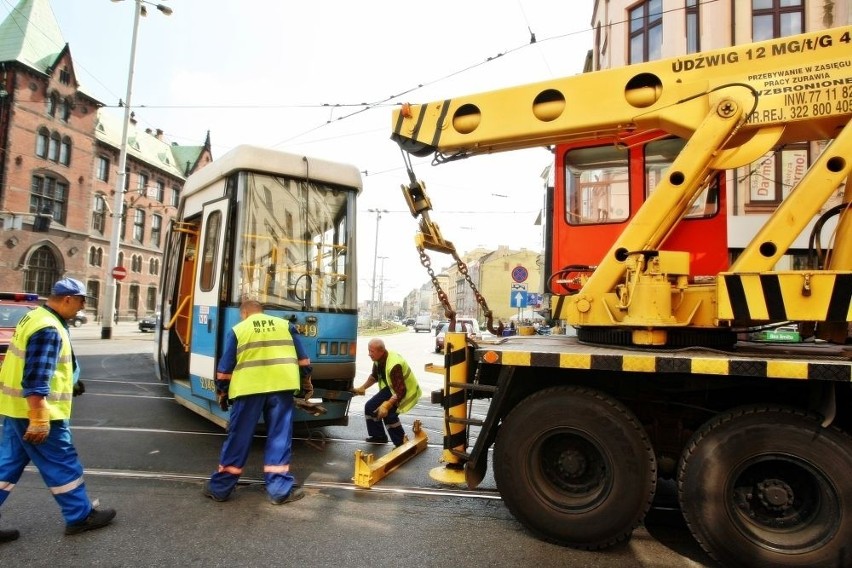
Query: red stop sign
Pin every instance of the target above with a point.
(119, 272)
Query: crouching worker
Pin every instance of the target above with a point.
(259, 372)
(398, 393)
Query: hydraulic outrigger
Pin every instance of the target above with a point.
(369, 471)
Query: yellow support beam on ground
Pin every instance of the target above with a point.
(369, 472)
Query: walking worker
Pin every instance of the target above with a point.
(398, 393)
(262, 367)
(36, 388)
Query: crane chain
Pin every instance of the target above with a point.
(442, 296)
(444, 299)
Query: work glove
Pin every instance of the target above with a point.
(383, 409)
(39, 426)
(78, 388)
(307, 385)
(311, 408)
(222, 394)
(307, 388)
(358, 390)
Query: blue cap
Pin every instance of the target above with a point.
(69, 287)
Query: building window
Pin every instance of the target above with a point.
(64, 109)
(52, 101)
(154, 266)
(770, 179)
(123, 221)
(693, 29)
(42, 142)
(126, 178)
(49, 195)
(94, 288)
(175, 196)
(138, 225)
(96, 256)
(142, 183)
(601, 49)
(64, 76)
(161, 191)
(156, 230)
(99, 214)
(776, 18)
(136, 263)
(65, 151)
(42, 271)
(53, 148)
(133, 298)
(151, 299)
(646, 31)
(120, 260)
(103, 168)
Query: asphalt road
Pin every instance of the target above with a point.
(146, 456)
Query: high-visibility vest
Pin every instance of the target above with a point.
(12, 400)
(266, 357)
(412, 389)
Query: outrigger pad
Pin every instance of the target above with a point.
(368, 472)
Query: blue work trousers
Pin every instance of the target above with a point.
(374, 425)
(56, 460)
(277, 411)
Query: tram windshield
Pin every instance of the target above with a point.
(295, 244)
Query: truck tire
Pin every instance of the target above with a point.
(769, 486)
(575, 467)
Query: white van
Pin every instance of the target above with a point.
(423, 323)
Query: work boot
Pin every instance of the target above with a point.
(294, 495)
(376, 440)
(97, 518)
(207, 492)
(9, 535)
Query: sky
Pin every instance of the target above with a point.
(322, 78)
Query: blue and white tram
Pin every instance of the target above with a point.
(277, 227)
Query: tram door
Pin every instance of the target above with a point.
(205, 312)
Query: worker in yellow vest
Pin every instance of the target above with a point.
(398, 393)
(36, 387)
(263, 365)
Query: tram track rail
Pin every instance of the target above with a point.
(485, 494)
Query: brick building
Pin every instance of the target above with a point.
(58, 156)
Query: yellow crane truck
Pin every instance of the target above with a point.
(661, 381)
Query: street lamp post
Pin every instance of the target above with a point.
(108, 304)
(378, 213)
(382, 290)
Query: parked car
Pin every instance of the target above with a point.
(468, 325)
(79, 319)
(149, 323)
(13, 306)
(423, 323)
(408, 321)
